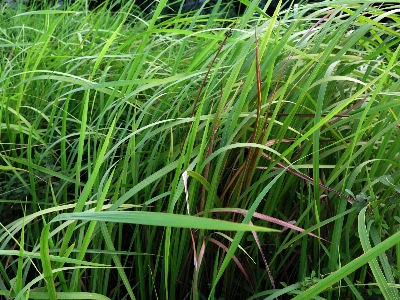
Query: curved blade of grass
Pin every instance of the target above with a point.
(32, 255)
(383, 258)
(69, 295)
(387, 292)
(45, 12)
(23, 294)
(61, 295)
(17, 225)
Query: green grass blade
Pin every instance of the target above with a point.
(46, 263)
(387, 292)
(160, 219)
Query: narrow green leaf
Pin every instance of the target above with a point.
(160, 219)
(387, 292)
(46, 263)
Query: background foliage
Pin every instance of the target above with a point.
(115, 126)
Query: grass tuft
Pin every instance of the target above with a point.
(200, 155)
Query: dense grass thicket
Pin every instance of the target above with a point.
(199, 156)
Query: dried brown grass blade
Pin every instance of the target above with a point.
(206, 76)
(279, 222)
(263, 257)
(235, 259)
(308, 178)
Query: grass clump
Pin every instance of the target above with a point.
(136, 150)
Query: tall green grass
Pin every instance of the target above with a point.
(200, 157)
